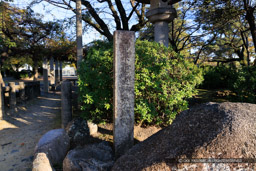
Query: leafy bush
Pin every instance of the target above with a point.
(219, 77)
(241, 81)
(163, 82)
(21, 74)
(245, 84)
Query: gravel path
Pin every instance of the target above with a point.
(21, 130)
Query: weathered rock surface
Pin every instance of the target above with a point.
(55, 144)
(212, 130)
(79, 132)
(93, 157)
(41, 163)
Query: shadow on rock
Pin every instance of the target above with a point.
(211, 130)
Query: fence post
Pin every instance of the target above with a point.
(45, 76)
(34, 89)
(30, 90)
(52, 72)
(1, 102)
(66, 103)
(38, 88)
(61, 71)
(22, 91)
(12, 95)
(56, 72)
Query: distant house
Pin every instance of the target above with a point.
(25, 67)
(69, 71)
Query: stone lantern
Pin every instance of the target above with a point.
(161, 13)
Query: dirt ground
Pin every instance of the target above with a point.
(105, 132)
(20, 131)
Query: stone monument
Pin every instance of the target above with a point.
(124, 73)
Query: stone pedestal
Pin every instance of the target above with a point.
(161, 32)
(160, 14)
(45, 76)
(66, 103)
(124, 73)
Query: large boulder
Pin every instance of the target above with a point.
(206, 132)
(93, 157)
(55, 144)
(79, 131)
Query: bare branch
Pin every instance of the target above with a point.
(122, 13)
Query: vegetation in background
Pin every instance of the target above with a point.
(241, 81)
(26, 39)
(163, 82)
(218, 77)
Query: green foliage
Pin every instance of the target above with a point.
(245, 84)
(25, 38)
(219, 77)
(242, 81)
(22, 74)
(163, 82)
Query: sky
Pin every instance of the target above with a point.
(52, 13)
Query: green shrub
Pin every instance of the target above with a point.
(163, 82)
(218, 77)
(241, 81)
(245, 84)
(21, 74)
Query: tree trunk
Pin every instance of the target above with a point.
(251, 20)
(35, 69)
(79, 32)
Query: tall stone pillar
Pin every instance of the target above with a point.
(124, 75)
(52, 80)
(60, 70)
(56, 72)
(45, 76)
(160, 14)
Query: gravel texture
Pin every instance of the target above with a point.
(20, 131)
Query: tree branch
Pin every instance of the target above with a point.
(122, 14)
(115, 14)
